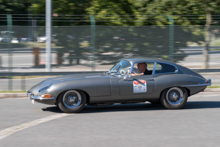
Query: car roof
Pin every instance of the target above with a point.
(181, 69)
(147, 60)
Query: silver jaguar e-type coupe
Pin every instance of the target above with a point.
(162, 82)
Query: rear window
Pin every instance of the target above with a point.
(165, 68)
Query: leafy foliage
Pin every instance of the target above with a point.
(61, 9)
(13, 7)
(150, 39)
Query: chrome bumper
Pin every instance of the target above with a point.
(40, 99)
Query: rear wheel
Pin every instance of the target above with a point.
(174, 98)
(72, 101)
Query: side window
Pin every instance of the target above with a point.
(165, 68)
(158, 67)
(147, 69)
(150, 66)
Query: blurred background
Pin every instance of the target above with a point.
(92, 35)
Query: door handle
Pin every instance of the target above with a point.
(150, 79)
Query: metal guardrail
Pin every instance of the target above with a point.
(45, 73)
(206, 70)
(24, 75)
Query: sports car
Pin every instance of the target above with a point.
(165, 82)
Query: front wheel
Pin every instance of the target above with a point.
(174, 98)
(72, 101)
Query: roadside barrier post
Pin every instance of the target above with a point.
(23, 86)
(92, 20)
(171, 37)
(9, 27)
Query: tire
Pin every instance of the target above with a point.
(72, 101)
(174, 98)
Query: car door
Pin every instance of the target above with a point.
(137, 86)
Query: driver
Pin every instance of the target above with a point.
(142, 67)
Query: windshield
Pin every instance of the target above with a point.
(121, 67)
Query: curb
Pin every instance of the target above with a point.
(12, 95)
(212, 90)
(23, 95)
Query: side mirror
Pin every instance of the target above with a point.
(127, 76)
(106, 72)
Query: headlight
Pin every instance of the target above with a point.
(44, 90)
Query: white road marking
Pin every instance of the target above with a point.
(8, 131)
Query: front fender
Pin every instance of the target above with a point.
(93, 86)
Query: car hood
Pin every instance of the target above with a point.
(50, 81)
(71, 77)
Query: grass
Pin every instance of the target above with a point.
(213, 86)
(214, 49)
(26, 77)
(12, 91)
(215, 41)
(4, 45)
(40, 45)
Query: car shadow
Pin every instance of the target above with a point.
(122, 107)
(202, 105)
(139, 107)
(54, 109)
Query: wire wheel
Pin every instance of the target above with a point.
(72, 101)
(174, 98)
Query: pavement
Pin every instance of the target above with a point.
(127, 125)
(12, 95)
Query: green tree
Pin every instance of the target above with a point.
(186, 12)
(113, 12)
(152, 41)
(14, 7)
(63, 9)
(148, 41)
(66, 13)
(155, 12)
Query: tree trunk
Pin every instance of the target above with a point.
(36, 52)
(207, 39)
(59, 58)
(78, 61)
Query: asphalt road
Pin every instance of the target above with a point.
(128, 125)
(196, 60)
